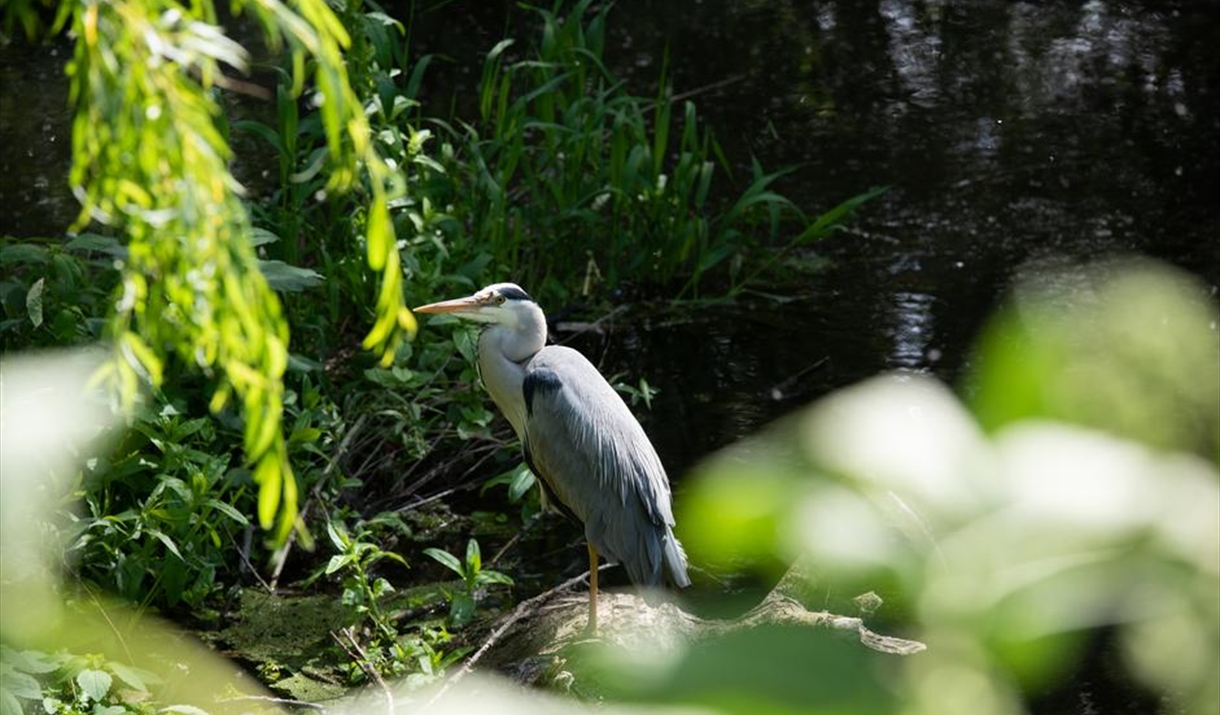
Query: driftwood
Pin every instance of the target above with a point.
(529, 643)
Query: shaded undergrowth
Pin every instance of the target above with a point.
(563, 180)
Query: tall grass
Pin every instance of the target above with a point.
(567, 179)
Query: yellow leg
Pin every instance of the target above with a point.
(592, 589)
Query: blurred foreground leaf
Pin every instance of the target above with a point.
(1081, 498)
(1129, 347)
(766, 670)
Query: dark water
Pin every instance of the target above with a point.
(1008, 131)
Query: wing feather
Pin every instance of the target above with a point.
(596, 460)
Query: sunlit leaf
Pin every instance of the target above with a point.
(474, 559)
(94, 683)
(33, 302)
(447, 560)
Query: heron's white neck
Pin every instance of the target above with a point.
(504, 349)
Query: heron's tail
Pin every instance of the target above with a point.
(675, 560)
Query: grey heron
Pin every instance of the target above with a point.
(592, 457)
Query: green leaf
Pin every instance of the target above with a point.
(521, 482)
(380, 234)
(263, 131)
(489, 576)
(289, 279)
(337, 562)
(29, 661)
(164, 539)
(467, 343)
(338, 537)
(96, 242)
(9, 704)
(33, 302)
(137, 678)
(461, 610)
(22, 253)
(21, 685)
(261, 237)
(94, 683)
(269, 479)
(474, 558)
(228, 511)
(447, 560)
(382, 587)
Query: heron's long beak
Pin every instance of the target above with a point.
(458, 305)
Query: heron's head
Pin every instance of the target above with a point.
(501, 303)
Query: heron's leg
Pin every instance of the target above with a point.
(592, 588)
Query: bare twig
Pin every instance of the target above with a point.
(575, 329)
(707, 88)
(270, 699)
(506, 547)
(365, 664)
(247, 565)
(522, 610)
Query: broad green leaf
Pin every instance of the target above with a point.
(9, 705)
(96, 242)
(29, 661)
(20, 684)
(338, 537)
(446, 559)
(22, 253)
(337, 562)
(261, 237)
(94, 683)
(290, 279)
(461, 609)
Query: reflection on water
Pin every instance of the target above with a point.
(914, 50)
(910, 330)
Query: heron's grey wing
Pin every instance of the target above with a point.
(596, 460)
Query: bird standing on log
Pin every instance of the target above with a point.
(592, 457)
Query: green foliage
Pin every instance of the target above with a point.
(55, 293)
(520, 482)
(639, 393)
(150, 157)
(63, 684)
(161, 520)
(566, 173)
(376, 642)
(474, 577)
(362, 592)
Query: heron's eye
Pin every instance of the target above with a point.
(500, 299)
